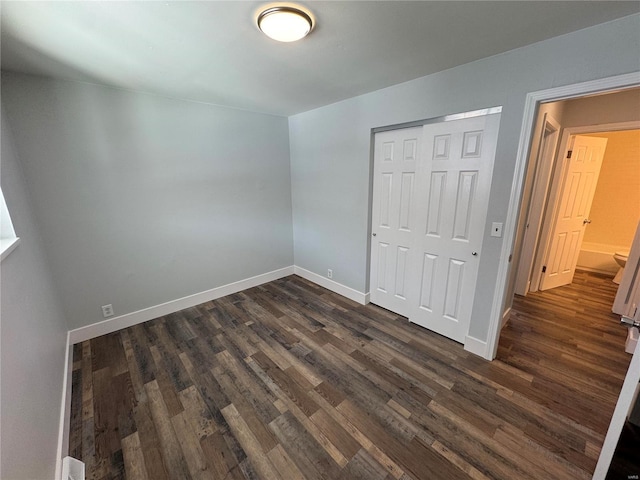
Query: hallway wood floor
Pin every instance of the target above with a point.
(290, 381)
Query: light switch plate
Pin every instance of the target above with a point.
(496, 229)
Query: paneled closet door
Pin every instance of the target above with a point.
(393, 233)
(430, 199)
(453, 180)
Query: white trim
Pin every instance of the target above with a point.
(505, 317)
(444, 118)
(601, 271)
(604, 127)
(65, 409)
(542, 166)
(7, 245)
(124, 321)
(476, 346)
(72, 469)
(340, 289)
(528, 121)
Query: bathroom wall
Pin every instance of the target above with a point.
(616, 204)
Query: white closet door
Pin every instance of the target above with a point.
(395, 158)
(430, 200)
(454, 178)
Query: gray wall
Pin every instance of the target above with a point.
(330, 146)
(33, 336)
(144, 199)
(599, 110)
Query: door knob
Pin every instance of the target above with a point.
(373, 234)
(475, 254)
(586, 221)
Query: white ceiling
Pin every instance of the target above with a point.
(213, 52)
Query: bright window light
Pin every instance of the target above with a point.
(8, 239)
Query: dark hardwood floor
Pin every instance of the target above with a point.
(290, 381)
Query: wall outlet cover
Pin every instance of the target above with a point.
(107, 311)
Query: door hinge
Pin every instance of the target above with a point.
(569, 153)
(544, 269)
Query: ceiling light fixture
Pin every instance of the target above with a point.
(285, 24)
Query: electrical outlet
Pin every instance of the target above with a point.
(496, 229)
(107, 311)
(329, 273)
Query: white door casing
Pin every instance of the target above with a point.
(430, 199)
(630, 390)
(395, 159)
(543, 169)
(454, 181)
(572, 214)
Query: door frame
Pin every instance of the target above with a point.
(556, 183)
(532, 101)
(544, 167)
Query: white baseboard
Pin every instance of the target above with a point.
(505, 317)
(340, 289)
(124, 321)
(72, 469)
(601, 271)
(598, 258)
(65, 409)
(475, 346)
(479, 347)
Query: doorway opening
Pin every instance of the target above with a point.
(581, 200)
(546, 188)
(521, 190)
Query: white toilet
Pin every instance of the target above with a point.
(621, 259)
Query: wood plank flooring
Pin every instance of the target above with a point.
(290, 381)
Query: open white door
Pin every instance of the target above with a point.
(572, 214)
(628, 393)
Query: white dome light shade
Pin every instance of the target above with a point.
(284, 24)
